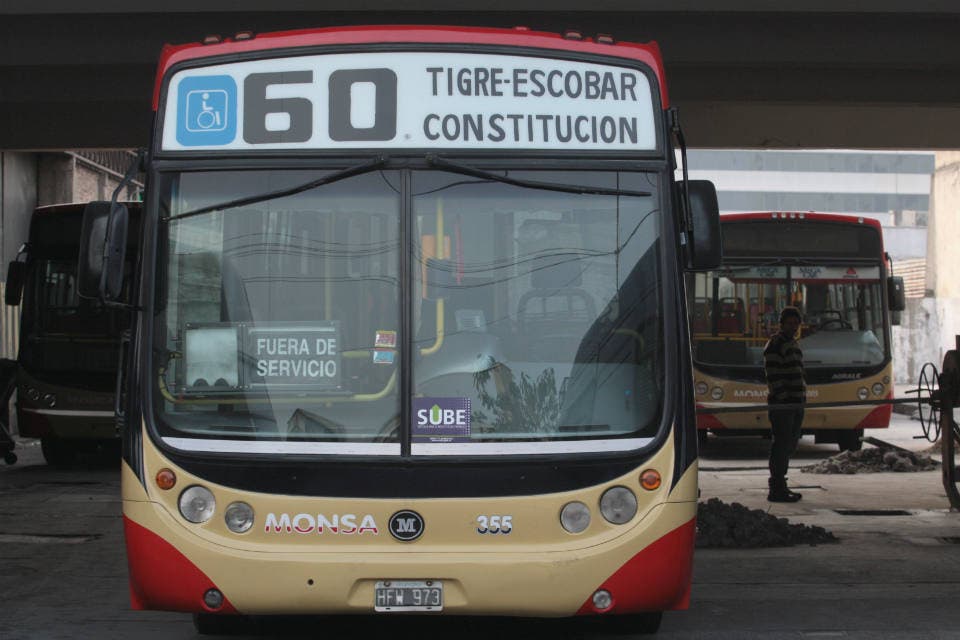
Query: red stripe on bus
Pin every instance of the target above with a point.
(656, 579)
(162, 578)
(879, 418)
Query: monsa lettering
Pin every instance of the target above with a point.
(306, 523)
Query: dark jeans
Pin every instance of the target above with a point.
(785, 434)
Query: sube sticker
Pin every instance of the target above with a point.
(441, 419)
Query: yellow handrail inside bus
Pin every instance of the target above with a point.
(426, 351)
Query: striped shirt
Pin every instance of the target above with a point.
(783, 366)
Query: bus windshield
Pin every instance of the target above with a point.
(736, 310)
(531, 316)
(66, 339)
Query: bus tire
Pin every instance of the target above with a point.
(212, 624)
(849, 440)
(632, 624)
(58, 453)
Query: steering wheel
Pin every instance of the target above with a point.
(832, 321)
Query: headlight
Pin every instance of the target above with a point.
(197, 504)
(618, 505)
(49, 399)
(239, 517)
(877, 389)
(701, 388)
(33, 394)
(717, 393)
(863, 393)
(575, 517)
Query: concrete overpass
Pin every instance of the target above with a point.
(816, 74)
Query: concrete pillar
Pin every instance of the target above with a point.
(56, 177)
(943, 230)
(18, 198)
(931, 323)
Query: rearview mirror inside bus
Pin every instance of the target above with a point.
(103, 244)
(704, 250)
(16, 272)
(896, 296)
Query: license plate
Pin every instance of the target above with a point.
(408, 595)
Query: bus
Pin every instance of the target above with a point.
(410, 332)
(68, 349)
(835, 270)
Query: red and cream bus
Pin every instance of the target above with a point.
(411, 332)
(834, 269)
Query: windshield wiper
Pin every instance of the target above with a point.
(467, 170)
(364, 167)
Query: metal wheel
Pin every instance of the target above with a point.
(928, 391)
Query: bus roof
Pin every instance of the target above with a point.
(801, 215)
(245, 42)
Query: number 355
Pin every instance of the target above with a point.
(494, 524)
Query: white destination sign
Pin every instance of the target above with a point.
(409, 100)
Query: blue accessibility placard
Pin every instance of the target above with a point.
(206, 111)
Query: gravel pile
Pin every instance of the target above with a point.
(722, 525)
(872, 461)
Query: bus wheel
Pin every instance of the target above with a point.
(211, 624)
(632, 624)
(850, 440)
(58, 453)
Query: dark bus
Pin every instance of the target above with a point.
(68, 351)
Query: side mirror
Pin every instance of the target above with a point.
(16, 275)
(439, 278)
(103, 245)
(896, 296)
(705, 248)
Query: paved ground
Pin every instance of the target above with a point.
(63, 573)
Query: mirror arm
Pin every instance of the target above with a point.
(686, 221)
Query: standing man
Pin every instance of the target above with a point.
(783, 366)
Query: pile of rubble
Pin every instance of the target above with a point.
(872, 461)
(722, 525)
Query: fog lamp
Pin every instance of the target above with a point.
(602, 600)
(213, 599)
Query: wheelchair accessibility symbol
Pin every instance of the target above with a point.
(207, 111)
